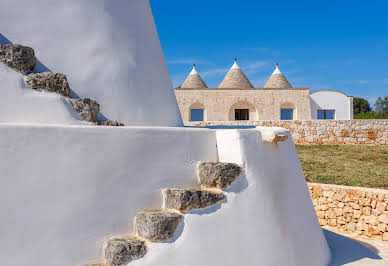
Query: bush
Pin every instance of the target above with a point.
(369, 115)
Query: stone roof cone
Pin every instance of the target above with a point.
(194, 80)
(235, 79)
(277, 80)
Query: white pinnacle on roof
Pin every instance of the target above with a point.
(235, 79)
(194, 80)
(194, 71)
(277, 71)
(277, 80)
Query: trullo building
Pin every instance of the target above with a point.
(237, 99)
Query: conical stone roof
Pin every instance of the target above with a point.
(277, 80)
(194, 80)
(235, 79)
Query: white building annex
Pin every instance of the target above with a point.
(237, 100)
(73, 193)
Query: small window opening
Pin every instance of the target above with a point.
(196, 115)
(326, 114)
(287, 114)
(241, 114)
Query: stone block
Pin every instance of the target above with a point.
(366, 211)
(157, 226)
(351, 227)
(121, 251)
(86, 108)
(381, 206)
(372, 219)
(186, 200)
(47, 81)
(383, 218)
(382, 228)
(218, 175)
(18, 57)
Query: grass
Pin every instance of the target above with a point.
(350, 165)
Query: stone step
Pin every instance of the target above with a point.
(18, 57)
(157, 226)
(186, 200)
(217, 174)
(121, 251)
(86, 108)
(48, 81)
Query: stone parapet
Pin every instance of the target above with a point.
(363, 211)
(374, 131)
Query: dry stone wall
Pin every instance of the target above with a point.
(363, 211)
(322, 131)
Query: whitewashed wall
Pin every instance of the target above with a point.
(64, 190)
(332, 100)
(109, 51)
(267, 219)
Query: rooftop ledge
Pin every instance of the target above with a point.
(262, 89)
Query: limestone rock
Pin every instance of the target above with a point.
(384, 218)
(157, 226)
(53, 82)
(109, 123)
(219, 175)
(121, 251)
(86, 108)
(187, 200)
(18, 57)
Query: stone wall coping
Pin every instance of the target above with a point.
(365, 189)
(286, 121)
(229, 89)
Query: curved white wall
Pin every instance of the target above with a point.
(267, 219)
(65, 189)
(332, 100)
(20, 104)
(109, 51)
(86, 183)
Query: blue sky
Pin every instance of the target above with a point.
(340, 44)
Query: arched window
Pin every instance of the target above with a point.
(243, 110)
(197, 112)
(287, 111)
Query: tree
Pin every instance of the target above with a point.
(381, 106)
(360, 105)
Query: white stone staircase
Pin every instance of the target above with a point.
(161, 225)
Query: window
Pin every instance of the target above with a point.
(241, 114)
(326, 114)
(287, 114)
(196, 115)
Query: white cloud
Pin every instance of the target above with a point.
(215, 72)
(363, 81)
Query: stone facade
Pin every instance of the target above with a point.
(322, 131)
(263, 104)
(363, 211)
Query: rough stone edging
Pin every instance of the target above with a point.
(24, 61)
(161, 225)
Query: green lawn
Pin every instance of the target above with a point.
(350, 165)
